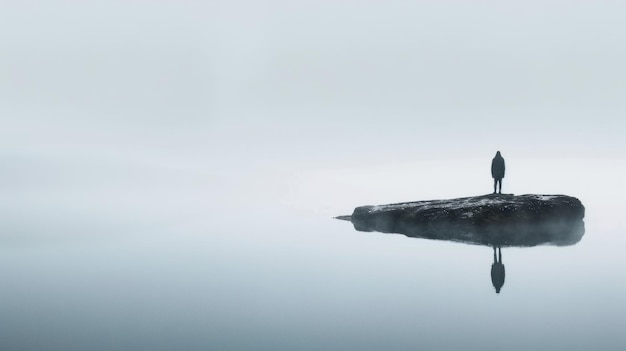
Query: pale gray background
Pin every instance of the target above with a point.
(168, 171)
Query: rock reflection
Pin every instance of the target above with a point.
(558, 231)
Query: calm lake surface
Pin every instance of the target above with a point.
(114, 254)
(170, 172)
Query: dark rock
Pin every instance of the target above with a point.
(494, 220)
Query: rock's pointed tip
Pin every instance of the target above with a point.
(344, 218)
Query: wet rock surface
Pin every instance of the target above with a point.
(494, 219)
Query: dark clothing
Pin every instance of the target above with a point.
(497, 276)
(497, 172)
(497, 183)
(497, 270)
(497, 167)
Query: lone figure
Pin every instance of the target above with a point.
(497, 172)
(497, 270)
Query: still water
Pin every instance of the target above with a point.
(115, 254)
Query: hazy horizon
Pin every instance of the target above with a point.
(169, 172)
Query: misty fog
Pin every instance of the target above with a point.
(169, 172)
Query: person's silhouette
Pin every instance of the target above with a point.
(497, 270)
(497, 172)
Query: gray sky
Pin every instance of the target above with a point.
(194, 153)
(314, 83)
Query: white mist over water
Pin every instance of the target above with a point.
(169, 173)
(158, 257)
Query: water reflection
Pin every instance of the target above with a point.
(497, 270)
(558, 231)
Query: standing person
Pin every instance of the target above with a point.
(497, 172)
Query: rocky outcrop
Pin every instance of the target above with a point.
(494, 220)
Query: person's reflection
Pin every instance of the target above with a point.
(497, 270)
